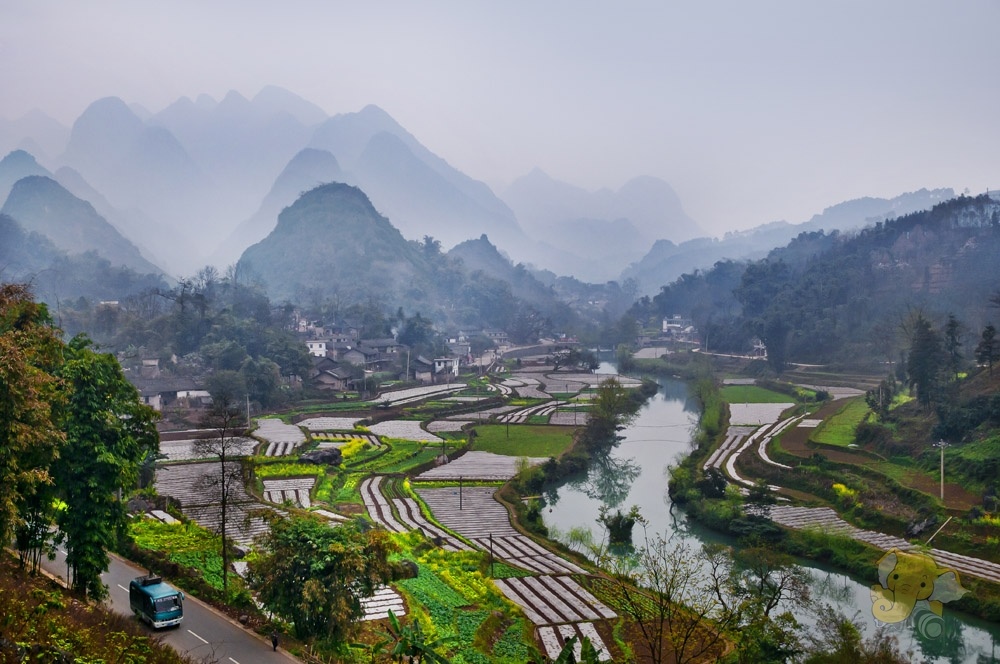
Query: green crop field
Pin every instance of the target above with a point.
(532, 440)
(839, 429)
(751, 394)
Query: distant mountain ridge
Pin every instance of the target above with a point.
(202, 179)
(667, 261)
(590, 235)
(202, 167)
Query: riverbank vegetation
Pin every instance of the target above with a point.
(866, 463)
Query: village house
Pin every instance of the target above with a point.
(328, 375)
(162, 392)
(423, 369)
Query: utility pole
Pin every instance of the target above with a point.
(942, 444)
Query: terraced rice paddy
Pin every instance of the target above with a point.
(329, 423)
(341, 439)
(404, 430)
(551, 600)
(295, 490)
(281, 438)
(554, 637)
(756, 413)
(417, 393)
(827, 520)
(191, 485)
(186, 450)
(381, 511)
(449, 426)
(479, 466)
(384, 600)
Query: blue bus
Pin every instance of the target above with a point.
(155, 602)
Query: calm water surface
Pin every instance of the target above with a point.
(636, 474)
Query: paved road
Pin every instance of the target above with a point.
(205, 635)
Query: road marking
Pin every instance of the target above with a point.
(197, 637)
(233, 661)
(122, 587)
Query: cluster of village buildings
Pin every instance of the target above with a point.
(343, 361)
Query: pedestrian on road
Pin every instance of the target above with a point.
(274, 640)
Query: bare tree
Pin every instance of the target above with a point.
(226, 419)
(692, 605)
(673, 600)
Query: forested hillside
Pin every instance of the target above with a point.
(847, 297)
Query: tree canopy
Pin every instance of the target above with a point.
(315, 576)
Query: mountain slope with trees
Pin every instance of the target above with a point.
(42, 205)
(667, 261)
(845, 297)
(333, 237)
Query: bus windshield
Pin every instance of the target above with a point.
(163, 604)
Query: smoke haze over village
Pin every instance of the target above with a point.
(753, 112)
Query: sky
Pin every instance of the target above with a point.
(753, 111)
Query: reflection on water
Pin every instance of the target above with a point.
(609, 480)
(636, 474)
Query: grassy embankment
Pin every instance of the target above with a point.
(50, 625)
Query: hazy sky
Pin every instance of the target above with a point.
(753, 111)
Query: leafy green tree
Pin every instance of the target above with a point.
(988, 350)
(609, 410)
(263, 381)
(925, 361)
(759, 499)
(30, 401)
(879, 399)
(774, 333)
(315, 576)
(619, 525)
(837, 639)
(953, 344)
(417, 331)
(108, 434)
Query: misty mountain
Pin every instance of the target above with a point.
(308, 169)
(592, 234)
(421, 200)
(381, 157)
(332, 240)
(134, 224)
(667, 261)
(16, 165)
(182, 180)
(141, 167)
(55, 276)
(34, 132)
(22, 253)
(42, 205)
(243, 144)
(483, 256)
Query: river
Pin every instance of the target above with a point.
(635, 474)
